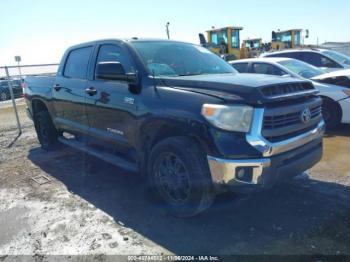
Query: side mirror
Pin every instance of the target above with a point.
(114, 71)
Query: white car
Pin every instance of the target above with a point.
(334, 87)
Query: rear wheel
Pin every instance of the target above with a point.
(3, 96)
(47, 133)
(179, 175)
(331, 113)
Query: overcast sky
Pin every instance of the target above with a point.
(40, 30)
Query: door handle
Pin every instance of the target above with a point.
(91, 91)
(57, 87)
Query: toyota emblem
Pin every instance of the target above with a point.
(305, 116)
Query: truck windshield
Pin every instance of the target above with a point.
(303, 69)
(166, 58)
(340, 58)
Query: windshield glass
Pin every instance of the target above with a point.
(340, 58)
(303, 69)
(165, 58)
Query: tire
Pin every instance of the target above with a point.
(179, 176)
(331, 113)
(3, 96)
(46, 132)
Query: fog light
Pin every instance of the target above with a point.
(244, 174)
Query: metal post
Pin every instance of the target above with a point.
(9, 83)
(19, 71)
(167, 30)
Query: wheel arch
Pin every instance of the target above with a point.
(166, 129)
(38, 105)
(335, 103)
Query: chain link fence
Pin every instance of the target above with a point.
(11, 81)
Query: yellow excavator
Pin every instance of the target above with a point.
(287, 39)
(225, 42)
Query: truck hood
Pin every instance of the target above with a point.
(238, 87)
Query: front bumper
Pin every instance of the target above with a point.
(265, 172)
(279, 160)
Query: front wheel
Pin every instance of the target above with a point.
(331, 113)
(179, 174)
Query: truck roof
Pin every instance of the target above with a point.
(132, 39)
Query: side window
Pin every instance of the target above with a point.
(235, 38)
(114, 53)
(267, 69)
(77, 63)
(326, 62)
(294, 55)
(311, 58)
(241, 67)
(214, 38)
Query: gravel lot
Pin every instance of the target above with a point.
(88, 207)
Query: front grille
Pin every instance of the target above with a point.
(285, 89)
(284, 120)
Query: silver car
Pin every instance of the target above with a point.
(325, 59)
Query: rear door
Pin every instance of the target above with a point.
(112, 110)
(69, 91)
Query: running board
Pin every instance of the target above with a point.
(112, 159)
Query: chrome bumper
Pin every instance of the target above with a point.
(224, 171)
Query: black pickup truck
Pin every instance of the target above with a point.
(179, 115)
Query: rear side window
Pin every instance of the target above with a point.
(311, 58)
(318, 60)
(77, 63)
(241, 67)
(267, 69)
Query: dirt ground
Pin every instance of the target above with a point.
(76, 208)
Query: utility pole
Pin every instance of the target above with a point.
(9, 83)
(167, 30)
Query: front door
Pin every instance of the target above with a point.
(112, 110)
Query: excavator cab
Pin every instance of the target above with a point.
(251, 48)
(223, 41)
(286, 39)
(253, 44)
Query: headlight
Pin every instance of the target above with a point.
(230, 118)
(347, 91)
